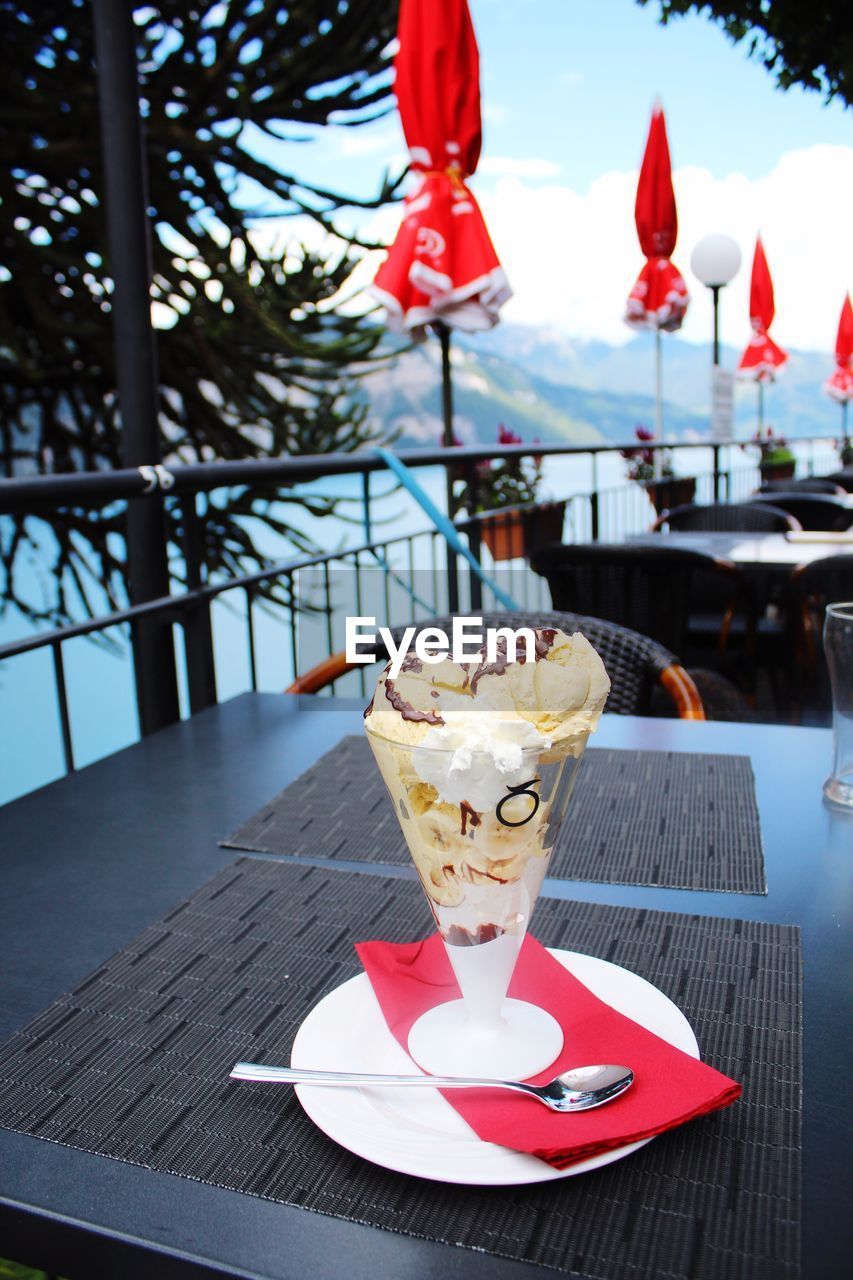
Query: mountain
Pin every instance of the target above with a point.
(543, 384)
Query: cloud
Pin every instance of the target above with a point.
(531, 167)
(368, 142)
(572, 258)
(494, 113)
(278, 237)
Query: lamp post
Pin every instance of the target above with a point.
(715, 261)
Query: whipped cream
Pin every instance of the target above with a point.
(487, 757)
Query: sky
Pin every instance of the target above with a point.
(567, 90)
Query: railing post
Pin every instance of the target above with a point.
(475, 586)
(62, 703)
(718, 475)
(136, 363)
(593, 499)
(198, 636)
(250, 638)
(366, 512)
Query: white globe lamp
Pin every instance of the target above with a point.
(715, 261)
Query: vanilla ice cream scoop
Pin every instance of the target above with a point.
(561, 693)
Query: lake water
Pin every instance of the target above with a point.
(99, 676)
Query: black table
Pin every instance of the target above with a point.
(758, 552)
(91, 860)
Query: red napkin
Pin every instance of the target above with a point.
(669, 1086)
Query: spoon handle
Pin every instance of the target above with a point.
(259, 1071)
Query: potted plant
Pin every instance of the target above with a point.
(845, 451)
(777, 461)
(510, 483)
(666, 490)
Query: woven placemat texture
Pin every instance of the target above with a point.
(133, 1064)
(664, 818)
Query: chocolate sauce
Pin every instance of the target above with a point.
(405, 708)
(468, 815)
(369, 707)
(497, 668)
(411, 662)
(456, 936)
(543, 642)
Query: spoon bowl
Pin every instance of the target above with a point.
(579, 1089)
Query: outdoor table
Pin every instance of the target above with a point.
(762, 552)
(92, 859)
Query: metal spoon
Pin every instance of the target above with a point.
(577, 1090)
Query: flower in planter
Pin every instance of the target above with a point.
(642, 458)
(500, 482)
(774, 449)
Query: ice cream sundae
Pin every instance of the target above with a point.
(479, 759)
(468, 797)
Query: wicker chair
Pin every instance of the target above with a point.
(727, 517)
(844, 478)
(809, 484)
(638, 667)
(812, 510)
(655, 590)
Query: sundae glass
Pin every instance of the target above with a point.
(480, 760)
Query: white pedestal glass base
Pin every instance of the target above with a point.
(522, 1042)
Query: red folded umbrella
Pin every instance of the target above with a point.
(659, 298)
(670, 1087)
(762, 357)
(840, 384)
(442, 264)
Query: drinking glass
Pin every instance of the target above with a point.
(838, 647)
(481, 838)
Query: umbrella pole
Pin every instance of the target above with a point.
(446, 384)
(761, 406)
(658, 459)
(443, 332)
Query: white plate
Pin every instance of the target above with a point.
(417, 1131)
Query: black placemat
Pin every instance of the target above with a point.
(673, 819)
(133, 1063)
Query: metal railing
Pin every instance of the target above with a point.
(597, 514)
